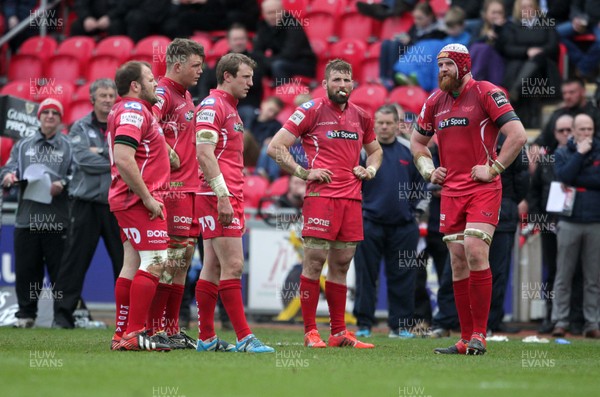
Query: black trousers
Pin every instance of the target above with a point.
(33, 250)
(438, 251)
(501, 252)
(397, 245)
(89, 222)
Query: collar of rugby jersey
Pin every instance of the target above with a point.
(178, 87)
(462, 93)
(334, 105)
(225, 95)
(146, 104)
(53, 140)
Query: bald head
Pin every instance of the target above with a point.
(272, 11)
(563, 129)
(583, 127)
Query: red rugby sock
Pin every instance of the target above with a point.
(154, 322)
(143, 288)
(122, 287)
(336, 300)
(172, 309)
(309, 299)
(231, 295)
(480, 292)
(206, 299)
(463, 307)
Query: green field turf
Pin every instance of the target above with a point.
(62, 363)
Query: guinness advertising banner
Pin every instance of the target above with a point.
(18, 117)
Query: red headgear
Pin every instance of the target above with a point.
(459, 55)
(51, 103)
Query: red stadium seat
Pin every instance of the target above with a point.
(370, 66)
(204, 40)
(321, 49)
(255, 187)
(79, 108)
(83, 92)
(42, 47)
(333, 7)
(62, 90)
(295, 8)
(288, 92)
(279, 186)
(321, 25)
(318, 92)
(395, 25)
(563, 60)
(370, 97)
(411, 98)
(6, 145)
(440, 7)
(24, 67)
(152, 46)
(20, 89)
(63, 67)
(356, 26)
(80, 47)
(102, 66)
(218, 49)
(352, 51)
(119, 47)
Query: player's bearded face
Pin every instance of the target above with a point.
(448, 81)
(339, 87)
(148, 93)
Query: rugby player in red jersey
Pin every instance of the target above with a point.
(333, 131)
(140, 174)
(220, 145)
(466, 115)
(175, 114)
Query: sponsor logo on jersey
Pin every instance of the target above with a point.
(207, 102)
(160, 91)
(308, 105)
(132, 119)
(442, 217)
(180, 106)
(189, 115)
(318, 221)
(499, 98)
(327, 123)
(238, 127)
(157, 233)
(342, 134)
(468, 108)
(442, 112)
(182, 219)
(133, 105)
(206, 116)
(297, 117)
(453, 122)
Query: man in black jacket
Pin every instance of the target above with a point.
(90, 215)
(283, 45)
(94, 17)
(578, 165)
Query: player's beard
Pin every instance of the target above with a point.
(148, 96)
(335, 97)
(448, 83)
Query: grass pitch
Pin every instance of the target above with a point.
(63, 363)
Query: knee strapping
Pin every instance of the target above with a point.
(458, 238)
(316, 243)
(343, 244)
(480, 234)
(152, 258)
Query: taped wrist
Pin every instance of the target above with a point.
(218, 185)
(372, 171)
(425, 165)
(301, 172)
(498, 167)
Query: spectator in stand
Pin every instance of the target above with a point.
(488, 64)
(584, 19)
(530, 45)
(574, 103)
(147, 17)
(237, 38)
(545, 223)
(91, 216)
(294, 197)
(577, 166)
(40, 225)
(472, 9)
(16, 11)
(281, 45)
(96, 17)
(211, 15)
(425, 26)
(385, 9)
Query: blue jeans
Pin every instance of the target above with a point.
(586, 62)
